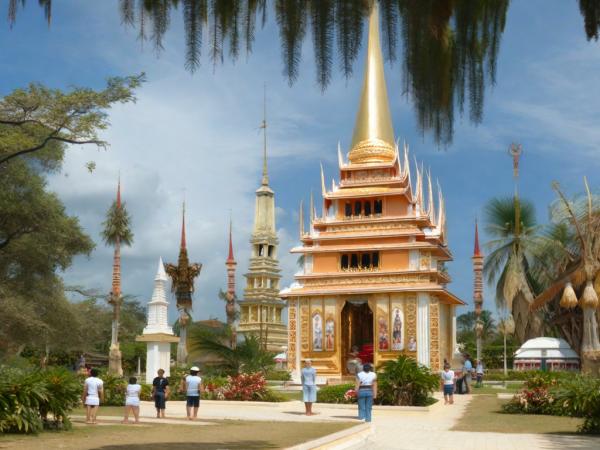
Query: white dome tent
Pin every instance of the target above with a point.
(546, 353)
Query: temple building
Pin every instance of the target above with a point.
(373, 283)
(261, 308)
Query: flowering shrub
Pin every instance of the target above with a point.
(245, 386)
(350, 395)
(537, 396)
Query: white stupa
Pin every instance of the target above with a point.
(546, 353)
(157, 334)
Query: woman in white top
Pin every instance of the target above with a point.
(93, 392)
(366, 391)
(132, 400)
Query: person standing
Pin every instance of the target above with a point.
(160, 393)
(448, 384)
(366, 391)
(93, 393)
(192, 385)
(467, 369)
(309, 386)
(132, 400)
(479, 373)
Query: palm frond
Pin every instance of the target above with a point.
(117, 226)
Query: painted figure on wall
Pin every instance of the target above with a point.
(398, 318)
(384, 343)
(412, 344)
(329, 333)
(317, 333)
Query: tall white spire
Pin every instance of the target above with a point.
(158, 321)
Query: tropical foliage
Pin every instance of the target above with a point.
(571, 270)
(31, 400)
(404, 382)
(557, 393)
(515, 247)
(248, 356)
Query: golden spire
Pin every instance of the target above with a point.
(265, 175)
(373, 138)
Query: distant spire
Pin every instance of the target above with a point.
(476, 250)
(230, 258)
(373, 137)
(265, 175)
(183, 243)
(301, 218)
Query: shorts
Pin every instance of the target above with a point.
(92, 400)
(193, 400)
(448, 389)
(160, 400)
(309, 393)
(132, 401)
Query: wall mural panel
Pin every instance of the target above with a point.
(383, 325)
(397, 327)
(317, 331)
(330, 324)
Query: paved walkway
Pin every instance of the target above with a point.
(392, 429)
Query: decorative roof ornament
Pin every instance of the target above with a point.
(476, 250)
(430, 203)
(263, 126)
(323, 189)
(340, 157)
(373, 137)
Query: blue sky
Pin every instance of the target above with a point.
(198, 133)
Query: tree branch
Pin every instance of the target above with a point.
(51, 137)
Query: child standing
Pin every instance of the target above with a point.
(93, 392)
(479, 373)
(448, 384)
(132, 400)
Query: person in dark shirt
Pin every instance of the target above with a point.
(160, 393)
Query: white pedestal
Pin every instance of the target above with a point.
(158, 353)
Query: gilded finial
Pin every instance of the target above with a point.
(265, 175)
(373, 138)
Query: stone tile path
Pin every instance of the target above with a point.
(391, 429)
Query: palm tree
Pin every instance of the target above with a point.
(576, 261)
(465, 324)
(248, 356)
(116, 231)
(517, 244)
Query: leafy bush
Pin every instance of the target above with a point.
(245, 387)
(334, 393)
(64, 391)
(114, 390)
(404, 382)
(29, 397)
(580, 397)
(21, 394)
(557, 393)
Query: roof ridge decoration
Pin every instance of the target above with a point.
(373, 137)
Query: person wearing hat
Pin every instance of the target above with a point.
(160, 393)
(309, 386)
(192, 385)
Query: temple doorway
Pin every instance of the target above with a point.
(357, 333)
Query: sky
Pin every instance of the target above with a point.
(196, 136)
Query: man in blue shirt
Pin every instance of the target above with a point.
(466, 373)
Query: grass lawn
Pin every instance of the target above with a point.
(487, 390)
(291, 395)
(223, 435)
(484, 413)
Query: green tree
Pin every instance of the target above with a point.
(116, 231)
(35, 118)
(517, 244)
(465, 325)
